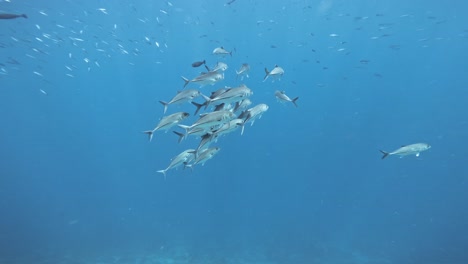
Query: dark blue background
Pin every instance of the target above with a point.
(302, 185)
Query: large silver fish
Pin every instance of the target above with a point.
(167, 122)
(281, 96)
(276, 72)
(205, 78)
(413, 149)
(181, 97)
(184, 157)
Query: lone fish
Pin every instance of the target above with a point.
(413, 149)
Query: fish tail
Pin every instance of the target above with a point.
(204, 62)
(207, 100)
(267, 73)
(207, 68)
(294, 101)
(165, 105)
(150, 134)
(163, 172)
(198, 106)
(185, 80)
(181, 136)
(24, 15)
(385, 154)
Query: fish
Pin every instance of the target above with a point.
(242, 105)
(243, 71)
(229, 127)
(204, 156)
(198, 63)
(252, 114)
(231, 95)
(220, 66)
(221, 51)
(12, 16)
(275, 72)
(184, 157)
(413, 149)
(167, 122)
(281, 95)
(205, 79)
(209, 120)
(181, 97)
(206, 140)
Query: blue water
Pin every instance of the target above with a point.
(81, 80)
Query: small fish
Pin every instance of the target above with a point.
(243, 70)
(205, 78)
(281, 96)
(12, 16)
(413, 149)
(198, 63)
(185, 157)
(276, 72)
(220, 66)
(221, 51)
(167, 122)
(181, 97)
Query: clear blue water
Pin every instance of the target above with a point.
(78, 180)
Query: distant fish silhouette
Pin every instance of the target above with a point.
(12, 16)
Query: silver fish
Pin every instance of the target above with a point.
(281, 95)
(167, 122)
(413, 149)
(229, 127)
(242, 105)
(205, 155)
(252, 114)
(181, 97)
(243, 71)
(220, 66)
(184, 157)
(231, 95)
(276, 72)
(221, 51)
(209, 120)
(205, 78)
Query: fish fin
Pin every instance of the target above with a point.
(267, 73)
(207, 68)
(163, 172)
(185, 80)
(165, 105)
(181, 136)
(385, 154)
(150, 134)
(198, 106)
(294, 101)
